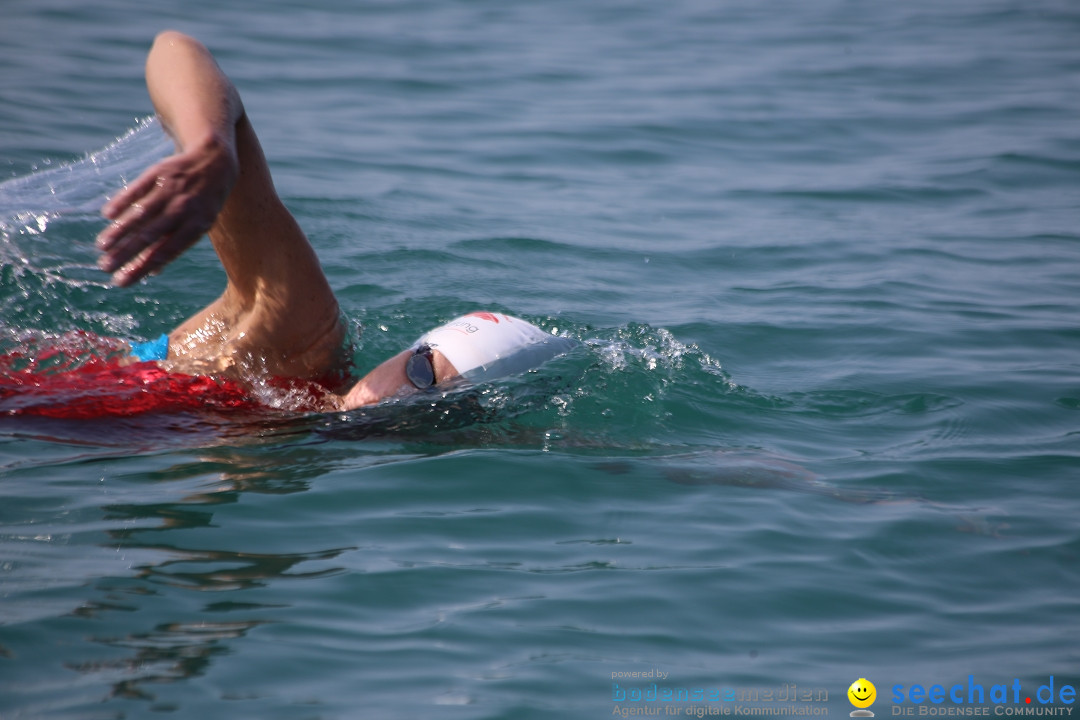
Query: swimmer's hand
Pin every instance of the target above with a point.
(166, 209)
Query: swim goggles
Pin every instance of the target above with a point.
(419, 368)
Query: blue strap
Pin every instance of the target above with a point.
(151, 350)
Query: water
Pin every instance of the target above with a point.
(823, 426)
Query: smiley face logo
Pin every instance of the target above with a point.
(862, 693)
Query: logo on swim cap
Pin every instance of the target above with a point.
(485, 316)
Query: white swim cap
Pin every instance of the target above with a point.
(485, 345)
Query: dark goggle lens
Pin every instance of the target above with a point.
(419, 370)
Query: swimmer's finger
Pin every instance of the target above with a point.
(183, 237)
(134, 270)
(153, 258)
(125, 247)
(180, 219)
(138, 217)
(136, 237)
(117, 203)
(140, 187)
(139, 204)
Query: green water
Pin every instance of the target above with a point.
(822, 426)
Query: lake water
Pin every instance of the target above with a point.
(824, 423)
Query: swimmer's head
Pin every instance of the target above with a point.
(487, 346)
(475, 348)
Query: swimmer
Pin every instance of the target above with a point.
(277, 307)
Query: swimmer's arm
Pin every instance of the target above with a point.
(278, 299)
(174, 202)
(386, 380)
(218, 180)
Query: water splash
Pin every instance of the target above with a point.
(48, 219)
(28, 204)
